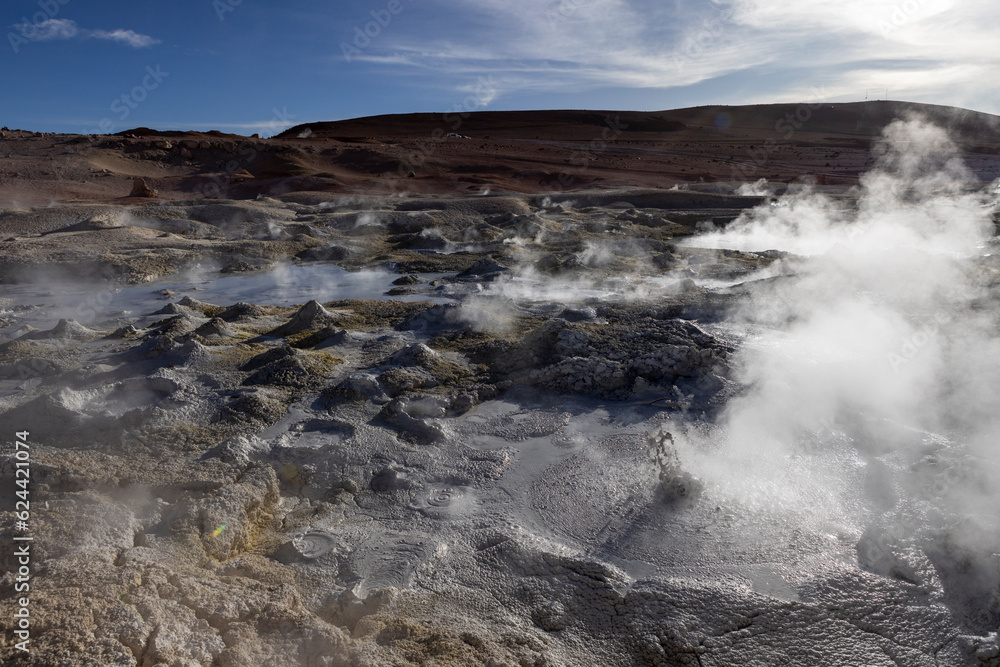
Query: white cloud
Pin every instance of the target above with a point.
(48, 30)
(573, 45)
(929, 50)
(53, 29)
(129, 37)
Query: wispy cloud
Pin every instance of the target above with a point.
(49, 29)
(574, 45)
(922, 49)
(128, 37)
(931, 50)
(57, 29)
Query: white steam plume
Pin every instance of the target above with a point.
(878, 351)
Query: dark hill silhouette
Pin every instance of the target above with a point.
(854, 119)
(488, 151)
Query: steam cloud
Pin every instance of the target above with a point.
(873, 367)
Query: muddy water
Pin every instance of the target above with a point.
(284, 286)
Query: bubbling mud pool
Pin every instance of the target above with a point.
(283, 286)
(547, 498)
(541, 510)
(710, 465)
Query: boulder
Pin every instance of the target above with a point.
(140, 189)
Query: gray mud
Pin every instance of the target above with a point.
(267, 459)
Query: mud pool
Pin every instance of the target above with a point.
(591, 442)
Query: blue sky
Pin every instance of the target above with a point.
(260, 66)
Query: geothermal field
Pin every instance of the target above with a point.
(571, 388)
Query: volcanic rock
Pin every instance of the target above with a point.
(140, 189)
(171, 309)
(332, 253)
(194, 304)
(309, 317)
(177, 325)
(579, 314)
(64, 330)
(216, 328)
(242, 311)
(483, 269)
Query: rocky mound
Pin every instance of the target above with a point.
(309, 317)
(241, 312)
(64, 330)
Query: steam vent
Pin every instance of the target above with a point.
(352, 410)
